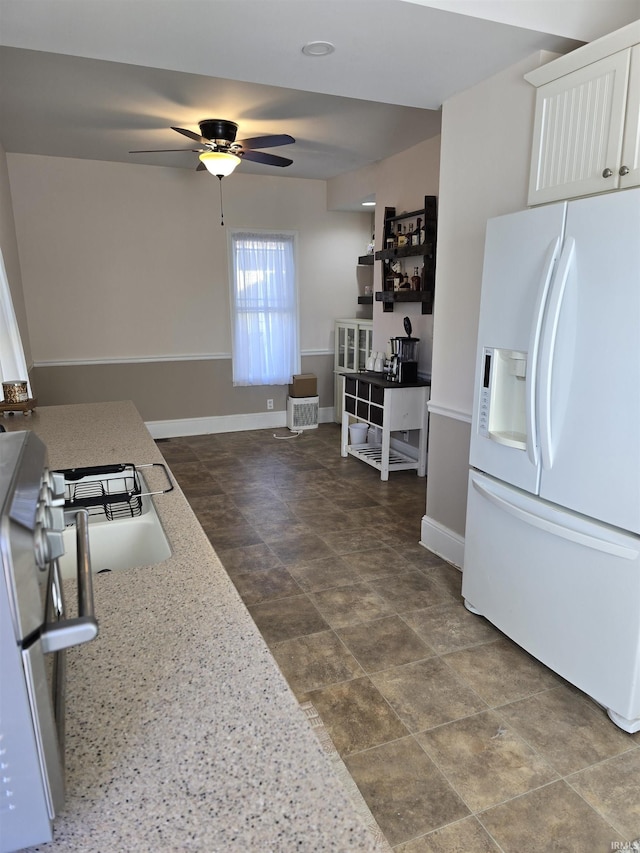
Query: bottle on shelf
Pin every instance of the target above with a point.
(415, 279)
(418, 234)
(402, 236)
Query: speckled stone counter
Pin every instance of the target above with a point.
(182, 734)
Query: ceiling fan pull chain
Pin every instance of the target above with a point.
(221, 211)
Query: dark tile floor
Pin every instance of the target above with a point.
(458, 740)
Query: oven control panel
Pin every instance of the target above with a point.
(49, 526)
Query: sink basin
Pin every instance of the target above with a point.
(121, 543)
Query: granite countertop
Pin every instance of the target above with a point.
(381, 381)
(182, 734)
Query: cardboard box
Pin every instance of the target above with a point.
(304, 385)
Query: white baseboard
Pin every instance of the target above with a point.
(226, 423)
(442, 541)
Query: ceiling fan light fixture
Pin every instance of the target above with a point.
(318, 48)
(219, 163)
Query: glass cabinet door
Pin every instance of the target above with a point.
(364, 346)
(351, 351)
(341, 347)
(346, 352)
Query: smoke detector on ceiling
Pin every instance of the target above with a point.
(318, 48)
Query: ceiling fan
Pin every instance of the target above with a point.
(221, 152)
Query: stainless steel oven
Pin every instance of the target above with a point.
(35, 630)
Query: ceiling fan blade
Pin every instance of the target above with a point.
(191, 135)
(267, 141)
(263, 157)
(162, 150)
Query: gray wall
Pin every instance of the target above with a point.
(172, 390)
(484, 170)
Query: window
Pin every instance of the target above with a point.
(264, 308)
(12, 361)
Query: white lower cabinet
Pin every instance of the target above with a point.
(390, 407)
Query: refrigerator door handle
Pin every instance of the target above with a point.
(548, 526)
(534, 346)
(547, 350)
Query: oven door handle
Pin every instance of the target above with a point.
(83, 627)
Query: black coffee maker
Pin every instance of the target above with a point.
(403, 364)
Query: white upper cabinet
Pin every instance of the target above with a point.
(631, 141)
(585, 137)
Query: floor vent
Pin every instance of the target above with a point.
(302, 413)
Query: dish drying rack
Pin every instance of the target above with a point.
(109, 491)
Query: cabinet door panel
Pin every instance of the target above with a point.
(351, 351)
(376, 415)
(631, 144)
(365, 334)
(578, 131)
(364, 389)
(340, 348)
(377, 395)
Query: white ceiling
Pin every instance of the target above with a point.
(95, 79)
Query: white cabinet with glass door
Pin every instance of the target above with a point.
(352, 349)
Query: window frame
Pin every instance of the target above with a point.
(12, 358)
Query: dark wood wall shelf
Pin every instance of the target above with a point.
(365, 260)
(388, 296)
(403, 252)
(365, 300)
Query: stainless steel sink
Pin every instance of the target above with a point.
(120, 543)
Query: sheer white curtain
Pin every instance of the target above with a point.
(264, 308)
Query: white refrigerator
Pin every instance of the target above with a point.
(552, 540)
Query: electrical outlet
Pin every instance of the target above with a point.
(269, 405)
